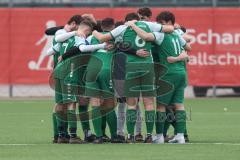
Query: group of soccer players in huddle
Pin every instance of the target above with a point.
(108, 68)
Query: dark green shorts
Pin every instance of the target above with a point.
(176, 95)
(65, 92)
(101, 87)
(58, 92)
(139, 80)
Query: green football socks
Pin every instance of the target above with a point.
(131, 118)
(149, 120)
(97, 120)
(160, 122)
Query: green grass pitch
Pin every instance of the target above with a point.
(26, 131)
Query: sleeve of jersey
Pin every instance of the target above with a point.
(154, 27)
(91, 48)
(89, 39)
(182, 41)
(50, 51)
(75, 49)
(158, 37)
(64, 36)
(70, 53)
(79, 41)
(118, 31)
(52, 31)
(56, 48)
(179, 32)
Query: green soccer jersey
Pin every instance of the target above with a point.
(64, 67)
(130, 38)
(56, 46)
(104, 55)
(56, 55)
(170, 44)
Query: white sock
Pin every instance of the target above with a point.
(121, 115)
(180, 135)
(89, 133)
(139, 121)
(159, 135)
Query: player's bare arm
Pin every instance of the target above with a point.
(182, 57)
(143, 34)
(187, 37)
(102, 37)
(187, 47)
(167, 28)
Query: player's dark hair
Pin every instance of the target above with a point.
(107, 24)
(145, 11)
(166, 16)
(183, 29)
(76, 18)
(119, 23)
(87, 23)
(98, 26)
(132, 16)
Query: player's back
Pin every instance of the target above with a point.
(104, 55)
(171, 46)
(131, 38)
(66, 45)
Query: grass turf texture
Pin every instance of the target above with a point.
(26, 131)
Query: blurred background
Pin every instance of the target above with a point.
(119, 3)
(214, 27)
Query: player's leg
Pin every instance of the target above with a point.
(97, 119)
(61, 119)
(70, 99)
(72, 123)
(108, 105)
(119, 61)
(148, 92)
(55, 129)
(111, 118)
(104, 124)
(121, 108)
(149, 117)
(59, 112)
(160, 121)
(121, 116)
(84, 118)
(162, 102)
(180, 124)
(170, 120)
(132, 92)
(131, 117)
(180, 113)
(66, 133)
(138, 136)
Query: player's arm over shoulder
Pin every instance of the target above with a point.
(140, 32)
(156, 27)
(62, 35)
(159, 37)
(184, 43)
(111, 35)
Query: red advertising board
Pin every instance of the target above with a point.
(214, 60)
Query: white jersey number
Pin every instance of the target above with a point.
(177, 46)
(139, 42)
